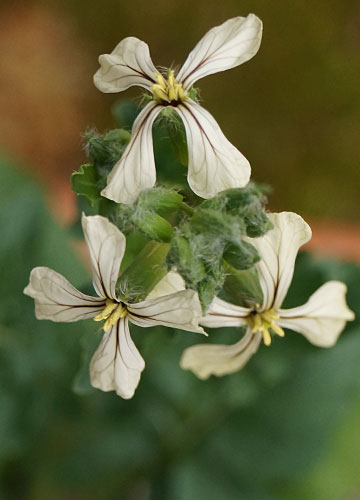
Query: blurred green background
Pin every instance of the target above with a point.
(285, 428)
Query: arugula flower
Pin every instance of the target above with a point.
(117, 364)
(321, 319)
(214, 163)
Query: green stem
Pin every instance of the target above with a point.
(186, 208)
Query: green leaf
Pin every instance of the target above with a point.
(84, 182)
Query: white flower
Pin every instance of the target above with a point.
(320, 320)
(214, 163)
(117, 364)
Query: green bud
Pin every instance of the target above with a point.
(186, 261)
(241, 255)
(245, 204)
(217, 224)
(105, 151)
(156, 227)
(118, 135)
(207, 290)
(137, 281)
(161, 200)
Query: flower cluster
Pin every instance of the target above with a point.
(192, 251)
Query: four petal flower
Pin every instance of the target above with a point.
(214, 163)
(117, 364)
(320, 320)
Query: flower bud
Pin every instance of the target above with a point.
(154, 226)
(241, 255)
(160, 200)
(144, 272)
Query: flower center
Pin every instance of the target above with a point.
(263, 322)
(112, 312)
(168, 92)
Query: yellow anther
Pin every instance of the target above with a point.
(180, 91)
(264, 321)
(171, 78)
(161, 80)
(105, 313)
(112, 312)
(159, 93)
(266, 336)
(167, 91)
(172, 93)
(277, 329)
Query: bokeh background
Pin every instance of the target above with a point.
(288, 426)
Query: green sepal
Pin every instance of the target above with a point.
(241, 255)
(242, 287)
(137, 281)
(176, 132)
(153, 225)
(207, 290)
(193, 94)
(187, 261)
(85, 182)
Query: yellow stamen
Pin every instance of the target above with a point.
(112, 312)
(167, 91)
(159, 93)
(105, 313)
(120, 312)
(264, 321)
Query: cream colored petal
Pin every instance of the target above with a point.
(214, 163)
(178, 310)
(135, 170)
(222, 313)
(278, 249)
(57, 300)
(106, 245)
(223, 47)
(322, 318)
(205, 360)
(129, 64)
(117, 364)
(171, 283)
